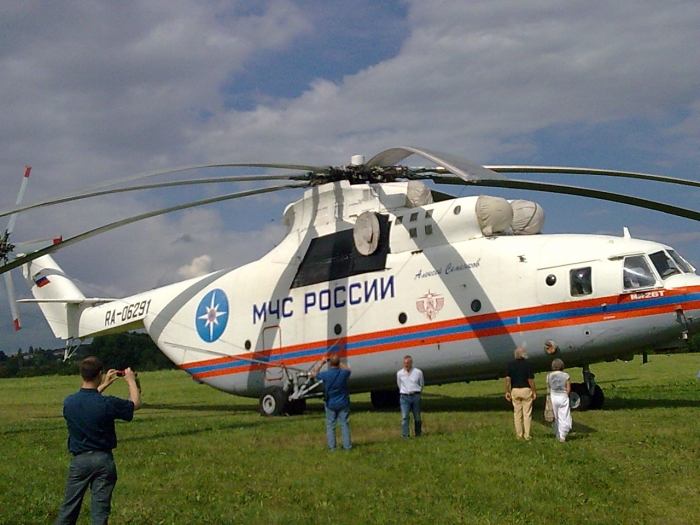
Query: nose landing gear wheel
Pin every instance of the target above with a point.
(273, 401)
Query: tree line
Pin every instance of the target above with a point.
(130, 349)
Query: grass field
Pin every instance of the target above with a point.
(194, 455)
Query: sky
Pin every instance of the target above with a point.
(97, 90)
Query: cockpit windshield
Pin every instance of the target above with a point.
(681, 262)
(664, 264)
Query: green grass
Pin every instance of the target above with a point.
(196, 455)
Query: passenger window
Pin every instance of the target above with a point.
(664, 264)
(637, 274)
(580, 280)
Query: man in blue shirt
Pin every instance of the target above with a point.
(90, 419)
(337, 398)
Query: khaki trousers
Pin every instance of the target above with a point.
(522, 411)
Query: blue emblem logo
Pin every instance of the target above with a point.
(212, 315)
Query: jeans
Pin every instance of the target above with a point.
(342, 415)
(96, 470)
(410, 403)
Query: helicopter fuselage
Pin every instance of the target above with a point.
(438, 283)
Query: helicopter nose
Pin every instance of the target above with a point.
(688, 309)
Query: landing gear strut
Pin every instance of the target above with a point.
(590, 394)
(291, 398)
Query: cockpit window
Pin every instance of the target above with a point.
(664, 264)
(681, 262)
(580, 280)
(637, 274)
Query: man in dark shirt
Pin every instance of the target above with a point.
(337, 398)
(90, 419)
(520, 390)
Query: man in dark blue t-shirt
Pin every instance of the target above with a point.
(337, 398)
(90, 419)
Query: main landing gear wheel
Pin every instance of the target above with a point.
(296, 407)
(588, 401)
(273, 401)
(597, 399)
(583, 395)
(382, 399)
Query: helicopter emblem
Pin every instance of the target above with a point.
(212, 315)
(430, 304)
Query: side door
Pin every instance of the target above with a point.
(272, 345)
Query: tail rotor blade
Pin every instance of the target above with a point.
(9, 286)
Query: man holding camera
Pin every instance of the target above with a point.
(336, 398)
(90, 419)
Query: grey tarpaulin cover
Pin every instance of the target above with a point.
(418, 194)
(528, 217)
(366, 233)
(494, 214)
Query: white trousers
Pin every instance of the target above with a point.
(562, 415)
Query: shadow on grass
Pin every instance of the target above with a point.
(188, 432)
(201, 408)
(639, 403)
(439, 403)
(578, 428)
(204, 429)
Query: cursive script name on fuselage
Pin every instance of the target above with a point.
(338, 296)
(449, 268)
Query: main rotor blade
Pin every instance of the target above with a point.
(107, 227)
(466, 170)
(144, 175)
(210, 180)
(589, 171)
(581, 192)
(20, 197)
(10, 287)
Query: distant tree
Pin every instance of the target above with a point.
(12, 366)
(133, 349)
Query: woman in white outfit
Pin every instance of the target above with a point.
(559, 388)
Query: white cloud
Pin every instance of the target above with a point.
(199, 266)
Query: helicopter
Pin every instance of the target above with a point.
(375, 264)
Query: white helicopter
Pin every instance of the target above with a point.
(376, 265)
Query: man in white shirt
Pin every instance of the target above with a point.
(410, 381)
